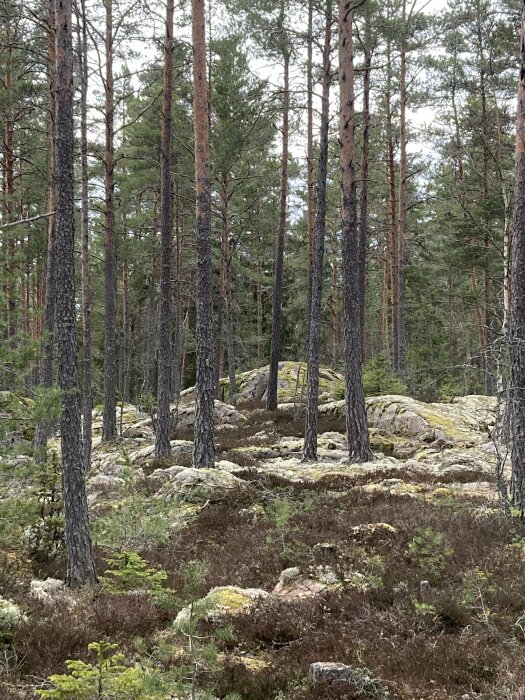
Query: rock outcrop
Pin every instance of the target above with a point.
(253, 385)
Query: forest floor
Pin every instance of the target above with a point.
(403, 568)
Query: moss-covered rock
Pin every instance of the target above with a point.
(252, 385)
(201, 483)
(221, 601)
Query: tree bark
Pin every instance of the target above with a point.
(517, 310)
(310, 151)
(314, 341)
(356, 426)
(204, 448)
(363, 202)
(80, 566)
(163, 425)
(400, 340)
(277, 301)
(109, 428)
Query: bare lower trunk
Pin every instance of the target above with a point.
(204, 448)
(80, 567)
(517, 312)
(356, 427)
(314, 342)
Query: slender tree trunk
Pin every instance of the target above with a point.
(45, 428)
(223, 283)
(204, 448)
(363, 203)
(80, 566)
(517, 311)
(178, 334)
(401, 229)
(314, 342)
(310, 152)
(87, 396)
(230, 343)
(163, 425)
(9, 187)
(126, 349)
(151, 349)
(356, 427)
(277, 302)
(392, 246)
(109, 428)
(334, 301)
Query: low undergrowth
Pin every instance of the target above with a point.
(443, 618)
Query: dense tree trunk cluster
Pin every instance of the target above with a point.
(209, 242)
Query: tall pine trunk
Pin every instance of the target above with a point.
(310, 150)
(356, 426)
(87, 389)
(314, 342)
(109, 428)
(400, 340)
(44, 428)
(517, 310)
(277, 301)
(163, 424)
(80, 566)
(363, 202)
(204, 448)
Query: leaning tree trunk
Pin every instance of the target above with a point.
(163, 424)
(314, 342)
(109, 427)
(80, 566)
(277, 303)
(44, 428)
(517, 311)
(204, 448)
(356, 427)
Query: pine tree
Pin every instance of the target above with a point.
(312, 399)
(356, 427)
(109, 429)
(517, 315)
(80, 566)
(204, 448)
(163, 424)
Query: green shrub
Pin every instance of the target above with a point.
(107, 679)
(129, 572)
(379, 379)
(430, 552)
